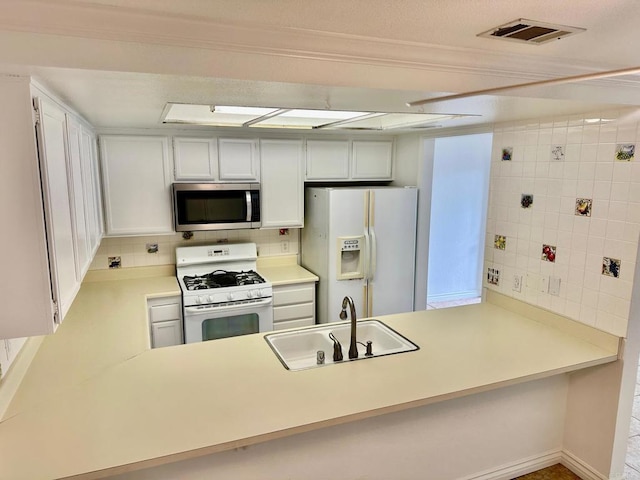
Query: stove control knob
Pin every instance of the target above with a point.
(230, 296)
(199, 300)
(210, 299)
(249, 294)
(257, 293)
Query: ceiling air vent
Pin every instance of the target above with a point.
(531, 31)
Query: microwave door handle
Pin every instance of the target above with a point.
(247, 196)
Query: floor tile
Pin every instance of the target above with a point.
(554, 472)
(633, 452)
(631, 473)
(636, 407)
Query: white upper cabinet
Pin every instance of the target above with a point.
(195, 158)
(282, 183)
(238, 159)
(136, 174)
(349, 160)
(79, 191)
(327, 159)
(93, 195)
(58, 194)
(371, 159)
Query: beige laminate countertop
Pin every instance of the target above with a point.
(97, 400)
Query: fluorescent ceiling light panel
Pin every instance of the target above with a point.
(249, 117)
(212, 115)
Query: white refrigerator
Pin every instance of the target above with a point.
(361, 242)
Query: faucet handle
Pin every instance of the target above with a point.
(337, 348)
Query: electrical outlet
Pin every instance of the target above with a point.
(517, 283)
(284, 246)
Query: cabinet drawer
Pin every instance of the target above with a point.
(166, 334)
(160, 313)
(293, 294)
(291, 312)
(301, 322)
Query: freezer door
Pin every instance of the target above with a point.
(348, 210)
(392, 230)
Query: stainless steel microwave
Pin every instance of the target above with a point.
(216, 206)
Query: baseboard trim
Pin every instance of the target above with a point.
(518, 468)
(538, 462)
(582, 469)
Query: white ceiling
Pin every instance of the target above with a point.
(119, 61)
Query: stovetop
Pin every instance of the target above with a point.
(221, 279)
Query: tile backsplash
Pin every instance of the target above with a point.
(565, 204)
(142, 251)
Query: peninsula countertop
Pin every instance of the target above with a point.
(97, 400)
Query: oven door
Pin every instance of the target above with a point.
(211, 322)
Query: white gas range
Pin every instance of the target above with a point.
(222, 294)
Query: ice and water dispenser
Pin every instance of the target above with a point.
(350, 257)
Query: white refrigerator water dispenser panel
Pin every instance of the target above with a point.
(350, 254)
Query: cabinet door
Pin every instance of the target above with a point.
(52, 133)
(137, 180)
(166, 334)
(372, 160)
(78, 196)
(238, 159)
(327, 160)
(195, 158)
(282, 183)
(93, 197)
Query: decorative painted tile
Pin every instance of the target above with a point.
(583, 207)
(526, 200)
(493, 276)
(114, 262)
(557, 152)
(625, 152)
(507, 154)
(549, 253)
(500, 242)
(611, 267)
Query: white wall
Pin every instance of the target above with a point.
(458, 216)
(501, 434)
(414, 166)
(588, 170)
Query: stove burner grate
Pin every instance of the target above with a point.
(221, 279)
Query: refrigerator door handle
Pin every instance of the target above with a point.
(367, 256)
(374, 255)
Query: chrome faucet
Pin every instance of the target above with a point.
(353, 347)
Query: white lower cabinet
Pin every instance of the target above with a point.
(165, 321)
(294, 305)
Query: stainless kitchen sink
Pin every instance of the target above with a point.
(298, 349)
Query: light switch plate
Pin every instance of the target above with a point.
(554, 286)
(544, 284)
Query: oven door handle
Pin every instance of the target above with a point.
(235, 306)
